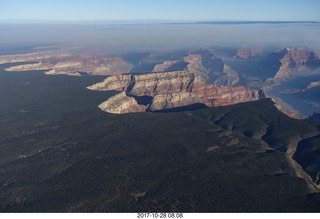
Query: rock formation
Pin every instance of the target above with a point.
(213, 95)
(173, 100)
(150, 84)
(200, 62)
(117, 83)
(195, 65)
(298, 62)
(211, 69)
(168, 90)
(121, 103)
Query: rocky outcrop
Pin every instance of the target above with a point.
(117, 83)
(162, 83)
(245, 53)
(121, 103)
(150, 84)
(298, 62)
(168, 90)
(195, 65)
(228, 77)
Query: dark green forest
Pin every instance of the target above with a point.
(60, 153)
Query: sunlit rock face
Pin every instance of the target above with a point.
(121, 104)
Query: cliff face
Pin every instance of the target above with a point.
(213, 95)
(173, 100)
(201, 62)
(162, 83)
(298, 62)
(121, 103)
(168, 90)
(195, 65)
(150, 84)
(117, 83)
(211, 68)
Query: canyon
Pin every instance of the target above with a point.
(224, 69)
(159, 117)
(276, 67)
(238, 140)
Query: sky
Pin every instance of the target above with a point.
(182, 10)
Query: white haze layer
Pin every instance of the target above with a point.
(147, 37)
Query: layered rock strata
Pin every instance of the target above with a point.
(211, 68)
(173, 100)
(168, 90)
(121, 103)
(298, 62)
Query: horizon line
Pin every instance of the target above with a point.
(146, 21)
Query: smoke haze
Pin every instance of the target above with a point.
(145, 37)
